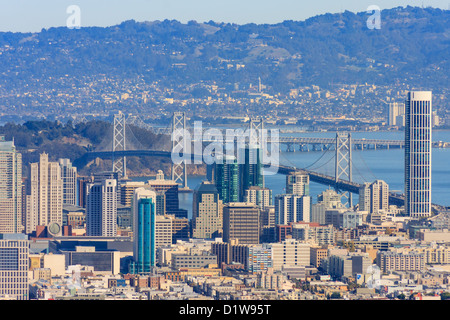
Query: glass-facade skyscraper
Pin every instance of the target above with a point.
(226, 178)
(250, 169)
(418, 154)
(144, 229)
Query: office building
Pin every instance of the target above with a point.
(101, 210)
(144, 230)
(163, 231)
(226, 178)
(45, 201)
(69, 178)
(318, 254)
(292, 208)
(262, 197)
(127, 191)
(82, 188)
(105, 262)
(14, 265)
(418, 154)
(250, 169)
(170, 190)
(203, 260)
(11, 195)
(241, 221)
(206, 212)
(374, 197)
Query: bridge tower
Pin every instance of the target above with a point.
(119, 144)
(343, 164)
(179, 142)
(256, 127)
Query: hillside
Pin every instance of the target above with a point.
(63, 71)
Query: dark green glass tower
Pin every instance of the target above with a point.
(250, 170)
(226, 179)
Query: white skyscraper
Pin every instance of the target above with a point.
(69, 177)
(101, 210)
(418, 154)
(45, 202)
(10, 188)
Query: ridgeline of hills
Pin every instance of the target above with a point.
(411, 47)
(71, 141)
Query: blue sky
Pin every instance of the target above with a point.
(33, 15)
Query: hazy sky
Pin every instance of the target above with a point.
(33, 15)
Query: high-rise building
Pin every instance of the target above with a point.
(328, 199)
(45, 202)
(10, 188)
(101, 209)
(395, 110)
(82, 188)
(127, 191)
(298, 184)
(170, 189)
(14, 265)
(241, 221)
(262, 197)
(226, 178)
(250, 169)
(69, 178)
(144, 230)
(292, 208)
(374, 197)
(206, 212)
(164, 231)
(418, 154)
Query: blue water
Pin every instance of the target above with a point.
(368, 165)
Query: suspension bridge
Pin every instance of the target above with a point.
(123, 144)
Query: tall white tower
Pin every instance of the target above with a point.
(418, 154)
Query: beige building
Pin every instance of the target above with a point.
(127, 191)
(163, 231)
(290, 253)
(207, 212)
(400, 261)
(10, 188)
(317, 255)
(14, 266)
(434, 235)
(45, 202)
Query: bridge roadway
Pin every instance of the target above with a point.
(320, 178)
(342, 185)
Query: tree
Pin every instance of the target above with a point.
(335, 295)
(445, 295)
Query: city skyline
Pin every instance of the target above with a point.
(210, 162)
